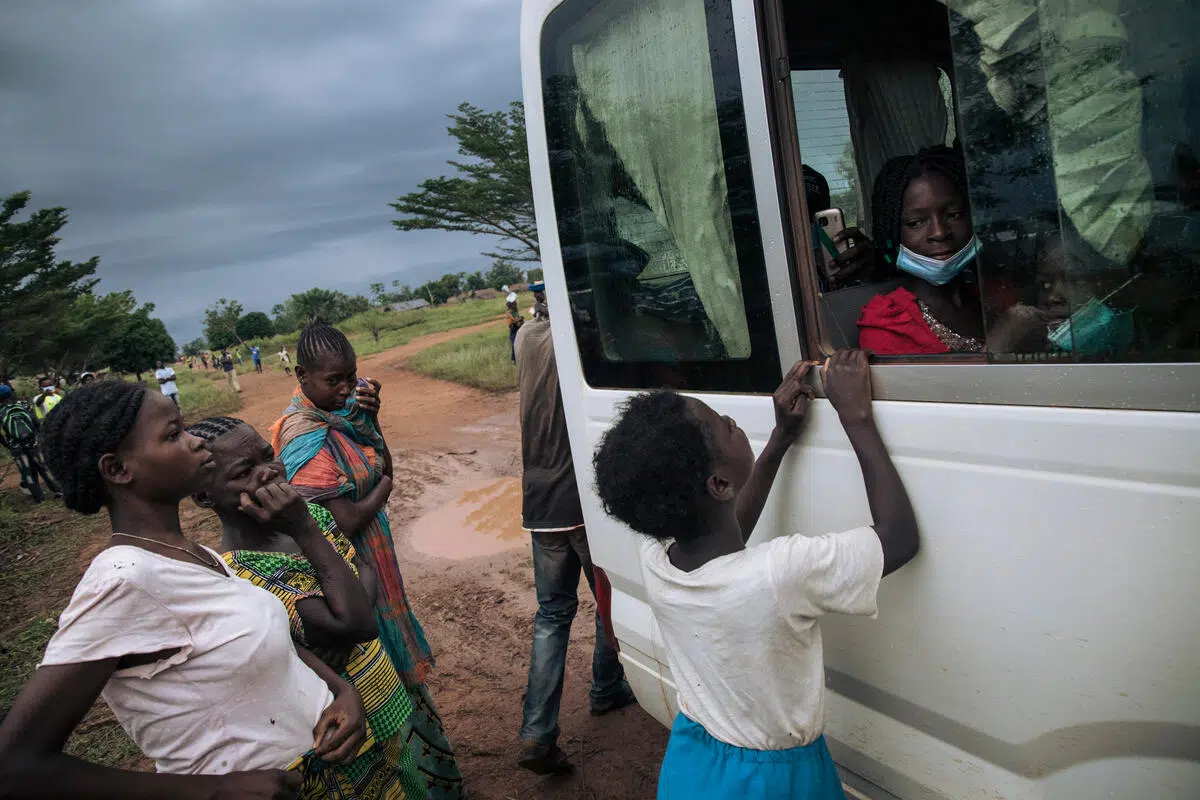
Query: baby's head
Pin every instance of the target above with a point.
(669, 463)
(113, 439)
(243, 462)
(326, 366)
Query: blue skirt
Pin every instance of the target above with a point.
(699, 766)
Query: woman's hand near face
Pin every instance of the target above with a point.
(367, 396)
(857, 261)
(278, 505)
(1021, 329)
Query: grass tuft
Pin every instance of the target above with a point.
(482, 359)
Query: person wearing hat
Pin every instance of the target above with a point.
(515, 321)
(553, 515)
(539, 300)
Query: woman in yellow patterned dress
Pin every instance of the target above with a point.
(294, 550)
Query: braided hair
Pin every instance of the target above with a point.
(652, 465)
(318, 341)
(89, 422)
(887, 196)
(214, 428)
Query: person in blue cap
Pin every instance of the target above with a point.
(540, 310)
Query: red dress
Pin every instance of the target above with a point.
(892, 325)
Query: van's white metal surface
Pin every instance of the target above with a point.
(1041, 646)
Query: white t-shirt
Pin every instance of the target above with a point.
(742, 636)
(235, 697)
(168, 387)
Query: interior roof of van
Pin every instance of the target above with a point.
(822, 35)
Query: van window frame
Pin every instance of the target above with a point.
(960, 378)
(762, 371)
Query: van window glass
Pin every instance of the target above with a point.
(1080, 125)
(654, 196)
(1073, 159)
(823, 130)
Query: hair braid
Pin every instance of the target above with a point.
(214, 428)
(318, 341)
(89, 422)
(887, 196)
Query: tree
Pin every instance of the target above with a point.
(847, 199)
(195, 347)
(220, 323)
(535, 274)
(379, 294)
(503, 273)
(439, 291)
(475, 281)
(36, 290)
(255, 325)
(402, 292)
(492, 194)
(317, 305)
(144, 341)
(84, 330)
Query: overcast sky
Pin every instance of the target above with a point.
(245, 148)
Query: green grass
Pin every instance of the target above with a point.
(204, 393)
(482, 359)
(396, 328)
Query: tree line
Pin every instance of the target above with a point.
(54, 321)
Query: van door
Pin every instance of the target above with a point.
(662, 237)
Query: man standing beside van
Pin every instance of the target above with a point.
(551, 512)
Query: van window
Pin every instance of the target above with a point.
(654, 196)
(1076, 125)
(1080, 125)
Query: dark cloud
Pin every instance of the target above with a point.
(245, 148)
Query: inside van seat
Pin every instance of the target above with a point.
(843, 307)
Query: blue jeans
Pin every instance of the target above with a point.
(557, 561)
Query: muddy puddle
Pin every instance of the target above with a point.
(484, 518)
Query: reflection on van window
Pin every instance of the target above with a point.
(1079, 125)
(1077, 119)
(655, 200)
(823, 129)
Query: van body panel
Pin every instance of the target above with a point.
(1042, 644)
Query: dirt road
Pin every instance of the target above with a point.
(455, 514)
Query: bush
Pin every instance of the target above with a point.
(482, 360)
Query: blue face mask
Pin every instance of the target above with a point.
(931, 270)
(1094, 328)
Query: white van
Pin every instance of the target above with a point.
(1044, 643)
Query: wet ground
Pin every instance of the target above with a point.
(455, 515)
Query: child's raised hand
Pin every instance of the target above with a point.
(791, 401)
(846, 376)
